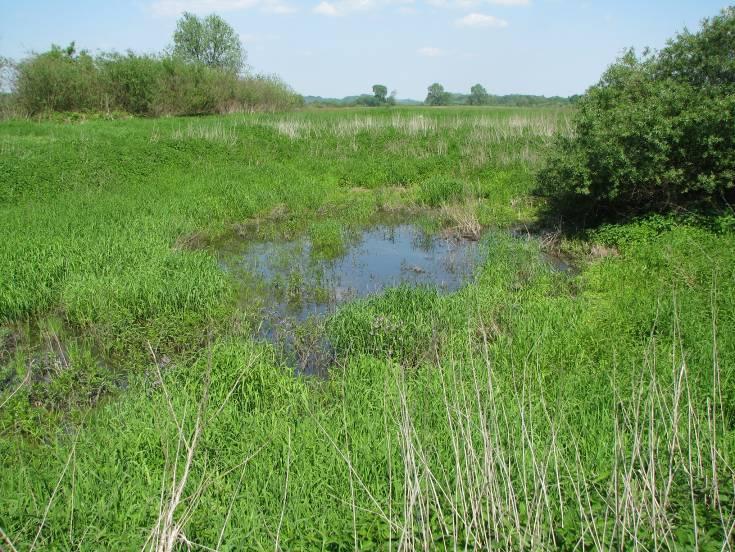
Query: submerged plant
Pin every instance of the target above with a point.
(327, 239)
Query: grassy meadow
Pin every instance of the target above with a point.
(534, 409)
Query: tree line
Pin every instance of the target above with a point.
(203, 71)
(478, 95)
(437, 96)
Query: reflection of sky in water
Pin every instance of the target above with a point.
(381, 257)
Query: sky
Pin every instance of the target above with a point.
(335, 48)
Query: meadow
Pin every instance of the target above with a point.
(533, 409)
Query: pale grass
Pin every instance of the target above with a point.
(485, 129)
(461, 219)
(515, 469)
(168, 533)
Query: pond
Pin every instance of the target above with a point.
(292, 282)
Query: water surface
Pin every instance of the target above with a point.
(289, 282)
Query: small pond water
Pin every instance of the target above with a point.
(288, 287)
(291, 282)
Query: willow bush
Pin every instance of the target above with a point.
(656, 134)
(64, 80)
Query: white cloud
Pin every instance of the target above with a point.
(430, 51)
(337, 8)
(465, 4)
(326, 8)
(343, 7)
(277, 7)
(176, 7)
(481, 20)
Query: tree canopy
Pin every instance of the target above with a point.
(478, 95)
(656, 133)
(437, 95)
(210, 41)
(380, 92)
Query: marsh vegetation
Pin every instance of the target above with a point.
(521, 407)
(529, 408)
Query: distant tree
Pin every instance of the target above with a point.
(6, 68)
(380, 92)
(70, 50)
(437, 95)
(478, 95)
(210, 41)
(365, 100)
(392, 98)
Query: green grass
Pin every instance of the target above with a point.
(530, 410)
(437, 190)
(327, 239)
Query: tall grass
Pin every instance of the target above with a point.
(473, 450)
(530, 410)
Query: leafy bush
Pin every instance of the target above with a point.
(191, 89)
(60, 81)
(266, 93)
(657, 132)
(132, 82)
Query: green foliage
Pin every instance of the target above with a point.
(379, 98)
(264, 92)
(208, 41)
(439, 189)
(58, 81)
(454, 98)
(132, 83)
(380, 92)
(532, 409)
(703, 59)
(478, 96)
(655, 134)
(648, 228)
(437, 95)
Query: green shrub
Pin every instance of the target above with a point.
(58, 80)
(63, 81)
(7, 105)
(132, 82)
(266, 93)
(439, 189)
(189, 89)
(656, 133)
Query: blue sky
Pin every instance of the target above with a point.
(343, 47)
